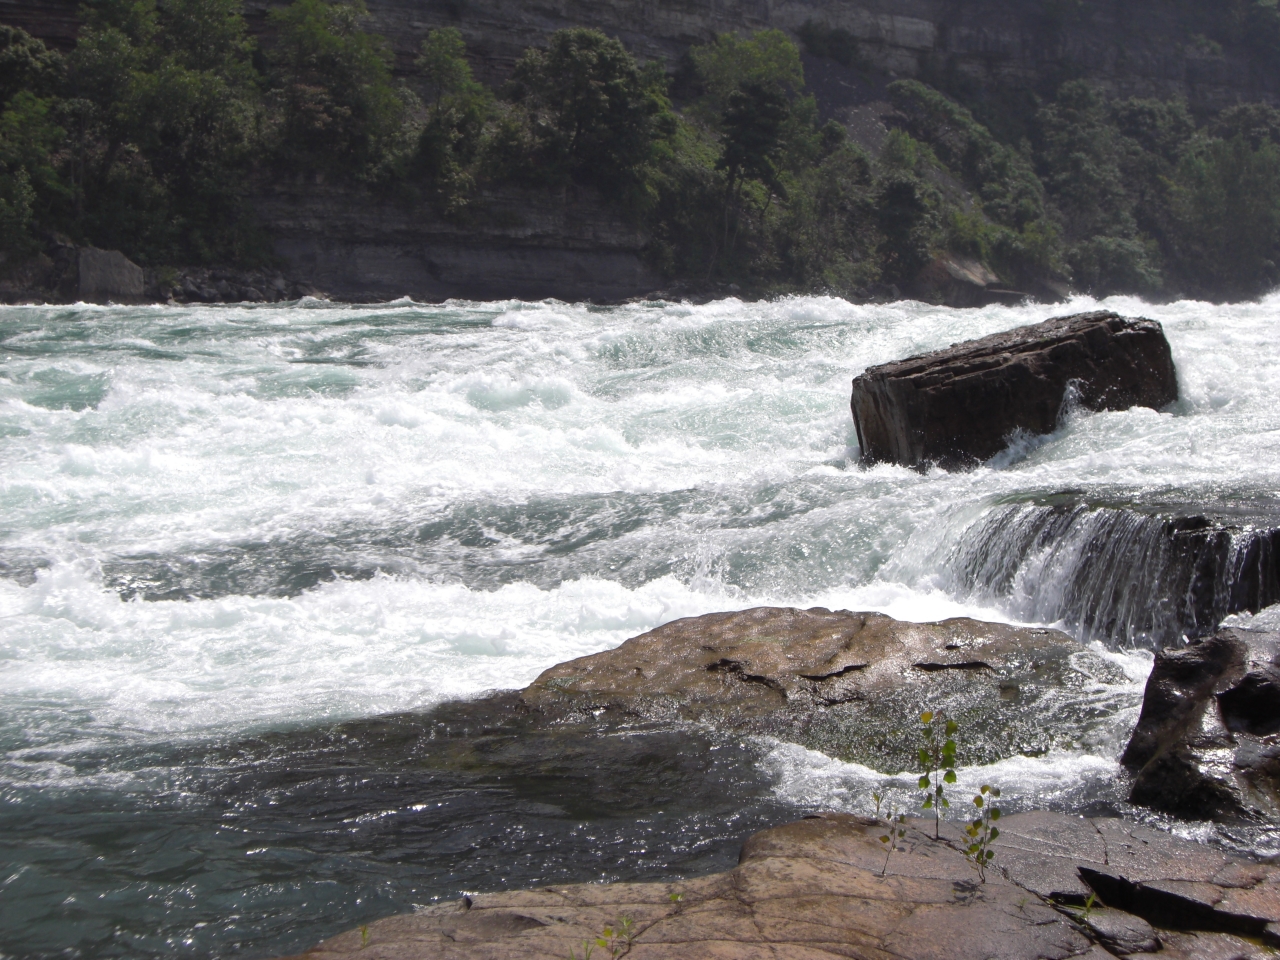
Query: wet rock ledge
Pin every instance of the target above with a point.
(851, 685)
(821, 888)
(1207, 743)
(960, 406)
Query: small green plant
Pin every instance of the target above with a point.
(675, 897)
(617, 938)
(1087, 909)
(982, 830)
(897, 830)
(364, 936)
(938, 760)
(878, 799)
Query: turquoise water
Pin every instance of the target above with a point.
(224, 525)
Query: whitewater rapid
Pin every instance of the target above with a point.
(347, 510)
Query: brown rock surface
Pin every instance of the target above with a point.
(1205, 745)
(850, 684)
(821, 888)
(962, 405)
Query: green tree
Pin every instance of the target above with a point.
(1087, 164)
(592, 114)
(767, 59)
(163, 111)
(340, 111)
(458, 109)
(1227, 211)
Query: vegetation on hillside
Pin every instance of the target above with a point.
(153, 133)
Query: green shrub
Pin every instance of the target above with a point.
(340, 112)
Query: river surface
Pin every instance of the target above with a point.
(250, 555)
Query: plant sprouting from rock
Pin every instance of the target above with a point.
(616, 938)
(891, 839)
(982, 830)
(938, 760)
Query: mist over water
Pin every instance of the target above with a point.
(223, 529)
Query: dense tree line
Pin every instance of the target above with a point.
(151, 134)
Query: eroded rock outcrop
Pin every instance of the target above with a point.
(1205, 745)
(821, 888)
(963, 405)
(849, 684)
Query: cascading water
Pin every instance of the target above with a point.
(248, 556)
(1122, 575)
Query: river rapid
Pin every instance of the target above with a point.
(251, 555)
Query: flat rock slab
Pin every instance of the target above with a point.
(962, 405)
(822, 888)
(852, 685)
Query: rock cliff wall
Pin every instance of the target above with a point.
(531, 247)
(522, 244)
(1140, 48)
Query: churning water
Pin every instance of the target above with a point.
(231, 537)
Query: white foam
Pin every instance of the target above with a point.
(265, 424)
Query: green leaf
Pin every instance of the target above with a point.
(949, 776)
(952, 727)
(884, 839)
(928, 803)
(995, 791)
(995, 813)
(945, 802)
(926, 717)
(923, 754)
(923, 781)
(977, 801)
(994, 833)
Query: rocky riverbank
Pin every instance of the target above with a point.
(827, 887)
(853, 684)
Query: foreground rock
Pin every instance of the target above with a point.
(849, 684)
(821, 888)
(962, 405)
(1205, 746)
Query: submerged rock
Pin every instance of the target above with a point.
(1205, 746)
(962, 405)
(852, 685)
(823, 887)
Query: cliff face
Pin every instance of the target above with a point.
(529, 246)
(519, 244)
(1135, 48)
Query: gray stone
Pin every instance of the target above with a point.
(960, 406)
(108, 275)
(1204, 745)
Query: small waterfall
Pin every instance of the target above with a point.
(1129, 578)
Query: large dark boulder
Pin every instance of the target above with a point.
(1204, 746)
(852, 685)
(962, 405)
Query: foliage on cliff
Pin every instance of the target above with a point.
(151, 134)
